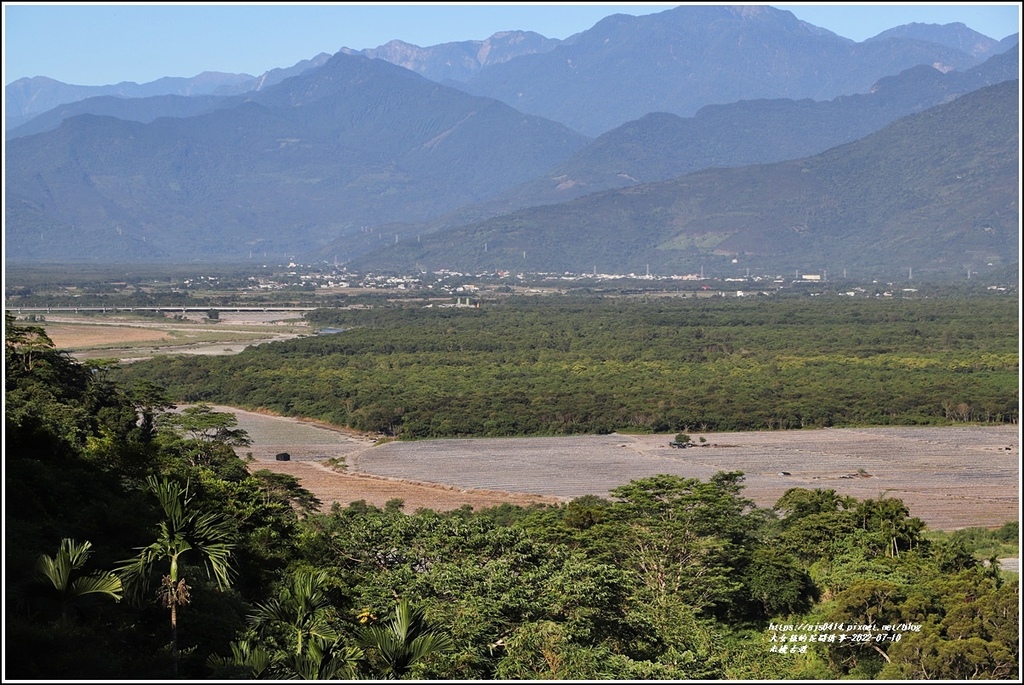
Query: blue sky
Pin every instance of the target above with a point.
(98, 44)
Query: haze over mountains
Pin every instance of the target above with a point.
(353, 144)
(684, 58)
(932, 191)
(28, 97)
(342, 157)
(660, 145)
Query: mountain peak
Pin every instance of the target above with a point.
(956, 35)
(749, 11)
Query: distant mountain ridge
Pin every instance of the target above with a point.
(330, 153)
(955, 35)
(684, 58)
(613, 59)
(935, 192)
(29, 97)
(460, 61)
(660, 146)
(142, 109)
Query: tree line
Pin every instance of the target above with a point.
(551, 366)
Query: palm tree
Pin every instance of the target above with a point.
(323, 660)
(182, 531)
(403, 641)
(302, 608)
(246, 660)
(890, 518)
(57, 574)
(320, 660)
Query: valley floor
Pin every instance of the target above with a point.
(951, 478)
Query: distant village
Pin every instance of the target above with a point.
(456, 283)
(309, 286)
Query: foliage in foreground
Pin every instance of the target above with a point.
(668, 578)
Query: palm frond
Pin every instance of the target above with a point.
(71, 556)
(181, 531)
(256, 659)
(404, 640)
(55, 575)
(325, 660)
(98, 583)
(302, 607)
(53, 570)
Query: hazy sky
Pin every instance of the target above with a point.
(100, 44)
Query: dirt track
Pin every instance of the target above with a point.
(949, 477)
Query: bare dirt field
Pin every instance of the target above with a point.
(949, 477)
(130, 338)
(310, 445)
(75, 335)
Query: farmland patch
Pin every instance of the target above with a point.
(131, 338)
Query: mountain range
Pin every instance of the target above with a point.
(624, 67)
(349, 146)
(659, 146)
(345, 156)
(933, 193)
(685, 58)
(27, 98)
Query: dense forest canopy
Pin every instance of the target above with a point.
(139, 546)
(577, 364)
